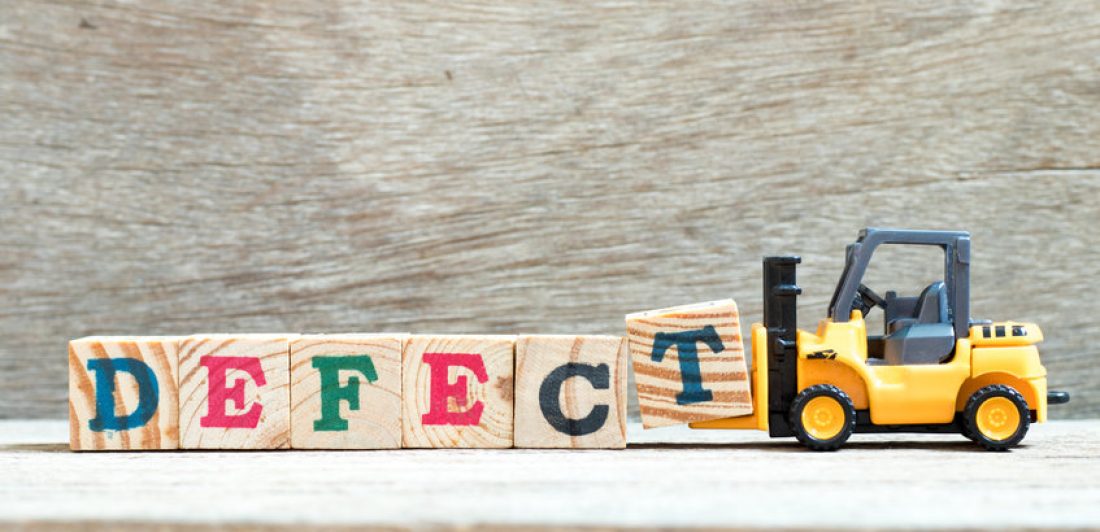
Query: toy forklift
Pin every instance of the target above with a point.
(933, 369)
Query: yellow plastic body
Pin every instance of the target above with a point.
(1005, 333)
(895, 395)
(903, 395)
(1015, 366)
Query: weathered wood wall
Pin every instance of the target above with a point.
(482, 166)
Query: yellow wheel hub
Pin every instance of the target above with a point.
(823, 418)
(998, 419)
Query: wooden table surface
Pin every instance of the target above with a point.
(668, 477)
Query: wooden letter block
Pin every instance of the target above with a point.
(345, 391)
(689, 364)
(457, 391)
(122, 393)
(235, 391)
(571, 392)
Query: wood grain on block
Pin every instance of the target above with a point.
(122, 393)
(570, 392)
(689, 364)
(345, 391)
(457, 391)
(235, 391)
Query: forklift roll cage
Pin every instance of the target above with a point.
(956, 246)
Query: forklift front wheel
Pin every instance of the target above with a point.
(823, 417)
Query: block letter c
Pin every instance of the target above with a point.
(600, 378)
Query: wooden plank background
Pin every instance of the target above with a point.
(502, 167)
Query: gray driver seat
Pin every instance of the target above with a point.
(924, 337)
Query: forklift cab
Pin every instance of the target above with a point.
(919, 328)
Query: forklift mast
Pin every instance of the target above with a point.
(781, 320)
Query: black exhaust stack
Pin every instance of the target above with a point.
(781, 319)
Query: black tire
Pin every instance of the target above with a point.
(823, 390)
(970, 417)
(967, 433)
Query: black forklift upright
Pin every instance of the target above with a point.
(781, 320)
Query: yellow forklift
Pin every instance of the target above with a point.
(933, 369)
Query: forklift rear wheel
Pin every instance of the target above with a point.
(823, 417)
(967, 433)
(997, 416)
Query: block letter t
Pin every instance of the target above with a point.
(690, 375)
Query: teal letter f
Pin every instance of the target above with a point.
(331, 391)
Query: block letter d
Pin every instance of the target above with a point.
(148, 393)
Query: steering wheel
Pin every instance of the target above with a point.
(866, 299)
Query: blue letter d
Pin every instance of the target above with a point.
(148, 393)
